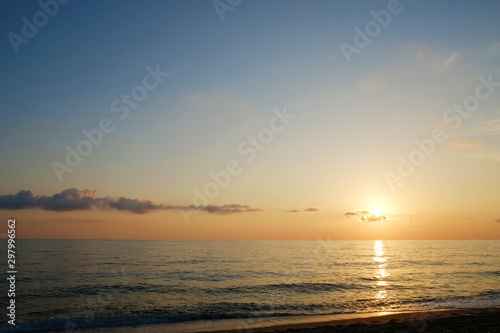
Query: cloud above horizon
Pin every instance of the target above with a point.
(73, 199)
(222, 209)
(365, 215)
(308, 210)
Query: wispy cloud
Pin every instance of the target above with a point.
(418, 60)
(491, 156)
(465, 144)
(372, 81)
(494, 49)
(487, 127)
(450, 60)
(307, 210)
(73, 199)
(433, 58)
(365, 215)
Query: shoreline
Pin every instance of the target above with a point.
(452, 320)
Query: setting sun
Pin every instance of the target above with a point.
(228, 165)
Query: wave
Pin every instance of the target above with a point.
(93, 322)
(306, 287)
(243, 311)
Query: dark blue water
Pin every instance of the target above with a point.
(72, 284)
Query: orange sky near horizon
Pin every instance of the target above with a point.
(258, 226)
(274, 123)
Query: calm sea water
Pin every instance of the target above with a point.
(70, 284)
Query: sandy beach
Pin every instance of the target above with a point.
(456, 321)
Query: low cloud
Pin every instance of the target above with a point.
(497, 220)
(73, 199)
(364, 215)
(308, 210)
(132, 205)
(20, 200)
(356, 212)
(372, 218)
(223, 209)
(68, 200)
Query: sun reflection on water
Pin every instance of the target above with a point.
(379, 248)
(380, 273)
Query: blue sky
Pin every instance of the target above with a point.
(352, 122)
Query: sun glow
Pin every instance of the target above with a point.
(377, 211)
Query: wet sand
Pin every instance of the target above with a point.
(456, 321)
(435, 321)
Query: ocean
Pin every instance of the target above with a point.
(91, 284)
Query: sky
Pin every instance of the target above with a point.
(262, 120)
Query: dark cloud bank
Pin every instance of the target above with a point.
(74, 199)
